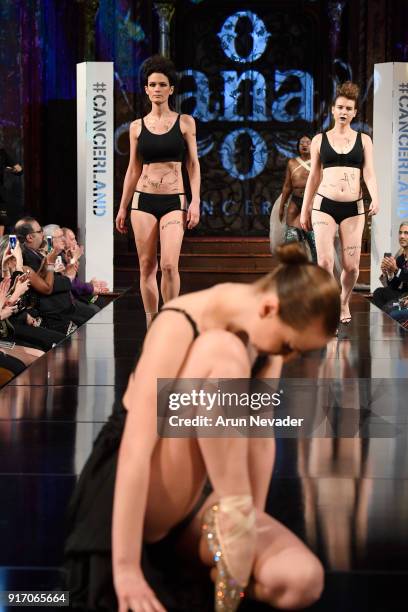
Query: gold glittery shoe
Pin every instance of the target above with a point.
(232, 546)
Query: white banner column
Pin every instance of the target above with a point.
(95, 151)
(390, 126)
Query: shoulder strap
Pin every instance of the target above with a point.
(188, 317)
(303, 164)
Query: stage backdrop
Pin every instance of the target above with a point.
(246, 129)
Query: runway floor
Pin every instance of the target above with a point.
(347, 497)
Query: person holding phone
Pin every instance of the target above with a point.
(23, 327)
(7, 165)
(334, 199)
(394, 272)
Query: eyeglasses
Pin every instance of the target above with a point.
(40, 231)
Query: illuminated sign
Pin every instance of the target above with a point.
(286, 106)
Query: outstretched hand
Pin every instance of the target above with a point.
(134, 593)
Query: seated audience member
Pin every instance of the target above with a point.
(23, 354)
(24, 325)
(9, 367)
(54, 300)
(82, 290)
(68, 266)
(394, 273)
(399, 311)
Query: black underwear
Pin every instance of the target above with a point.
(158, 205)
(297, 201)
(340, 211)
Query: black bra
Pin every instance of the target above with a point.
(260, 361)
(331, 159)
(168, 147)
(187, 316)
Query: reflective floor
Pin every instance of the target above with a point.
(347, 497)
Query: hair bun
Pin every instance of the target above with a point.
(348, 90)
(291, 254)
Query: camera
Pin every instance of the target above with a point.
(49, 243)
(12, 241)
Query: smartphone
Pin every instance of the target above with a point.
(58, 261)
(49, 243)
(12, 241)
(387, 254)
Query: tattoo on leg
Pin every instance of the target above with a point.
(319, 223)
(352, 250)
(175, 222)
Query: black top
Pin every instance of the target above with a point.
(331, 159)
(260, 361)
(400, 280)
(31, 258)
(168, 147)
(188, 317)
(5, 160)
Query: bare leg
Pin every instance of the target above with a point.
(261, 460)
(223, 460)
(286, 574)
(171, 237)
(293, 216)
(351, 231)
(324, 227)
(145, 229)
(215, 354)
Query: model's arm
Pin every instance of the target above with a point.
(133, 173)
(369, 174)
(193, 168)
(138, 442)
(286, 191)
(312, 184)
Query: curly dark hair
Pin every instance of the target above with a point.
(348, 90)
(300, 138)
(162, 65)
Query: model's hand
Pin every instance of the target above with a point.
(120, 221)
(134, 593)
(305, 219)
(373, 209)
(193, 214)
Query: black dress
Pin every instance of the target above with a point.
(87, 554)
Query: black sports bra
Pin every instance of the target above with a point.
(168, 147)
(331, 159)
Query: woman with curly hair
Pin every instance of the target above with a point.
(159, 143)
(344, 155)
